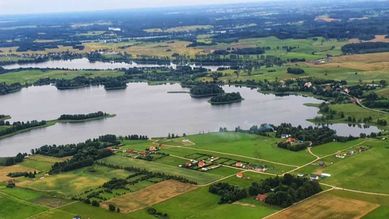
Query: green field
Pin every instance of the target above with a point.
(74, 182)
(372, 166)
(202, 204)
(252, 146)
(200, 177)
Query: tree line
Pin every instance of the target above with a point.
(19, 126)
(83, 154)
(78, 117)
(226, 98)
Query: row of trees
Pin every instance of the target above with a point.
(19, 126)
(83, 154)
(226, 98)
(9, 161)
(77, 117)
(228, 193)
(366, 47)
(295, 71)
(286, 190)
(280, 191)
(9, 88)
(19, 174)
(315, 135)
(206, 90)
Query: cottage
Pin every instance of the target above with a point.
(240, 175)
(291, 140)
(153, 148)
(201, 163)
(239, 164)
(261, 197)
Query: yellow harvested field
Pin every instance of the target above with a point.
(11, 169)
(378, 38)
(326, 206)
(362, 62)
(149, 196)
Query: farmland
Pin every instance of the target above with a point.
(310, 139)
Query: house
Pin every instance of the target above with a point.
(285, 136)
(239, 164)
(201, 164)
(153, 148)
(240, 175)
(314, 177)
(340, 156)
(325, 175)
(261, 197)
(308, 84)
(291, 140)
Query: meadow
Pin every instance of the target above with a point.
(252, 146)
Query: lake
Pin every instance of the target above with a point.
(85, 64)
(147, 110)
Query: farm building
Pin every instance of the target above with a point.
(240, 175)
(261, 197)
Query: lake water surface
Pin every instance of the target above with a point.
(146, 110)
(85, 64)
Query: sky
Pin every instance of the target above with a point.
(8, 7)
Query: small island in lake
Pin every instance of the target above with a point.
(115, 84)
(4, 117)
(84, 117)
(206, 90)
(226, 98)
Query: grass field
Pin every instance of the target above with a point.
(247, 145)
(149, 196)
(327, 206)
(358, 113)
(4, 171)
(372, 166)
(74, 182)
(202, 204)
(333, 147)
(41, 163)
(31, 76)
(199, 177)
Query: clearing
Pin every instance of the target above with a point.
(149, 196)
(327, 205)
